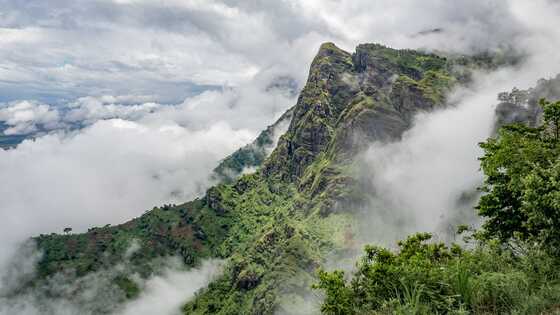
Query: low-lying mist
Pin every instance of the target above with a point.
(162, 293)
(427, 181)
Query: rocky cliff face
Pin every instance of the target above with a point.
(352, 99)
(275, 226)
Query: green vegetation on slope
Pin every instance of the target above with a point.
(430, 278)
(512, 268)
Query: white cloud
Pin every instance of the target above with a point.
(166, 293)
(75, 48)
(162, 293)
(250, 106)
(87, 110)
(107, 173)
(26, 117)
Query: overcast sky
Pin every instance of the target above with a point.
(166, 50)
(162, 90)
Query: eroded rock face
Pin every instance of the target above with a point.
(351, 100)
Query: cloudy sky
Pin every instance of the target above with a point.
(133, 102)
(57, 51)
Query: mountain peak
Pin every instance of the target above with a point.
(330, 48)
(351, 99)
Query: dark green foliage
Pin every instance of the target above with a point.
(552, 117)
(187, 231)
(339, 297)
(430, 278)
(522, 198)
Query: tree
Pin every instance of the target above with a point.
(521, 181)
(339, 297)
(67, 230)
(541, 203)
(552, 117)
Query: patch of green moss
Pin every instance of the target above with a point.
(433, 86)
(408, 62)
(436, 85)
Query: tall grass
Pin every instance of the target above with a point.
(430, 278)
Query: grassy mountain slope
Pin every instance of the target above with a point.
(276, 226)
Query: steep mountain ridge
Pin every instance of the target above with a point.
(373, 93)
(275, 226)
(253, 154)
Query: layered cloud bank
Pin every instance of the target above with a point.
(171, 49)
